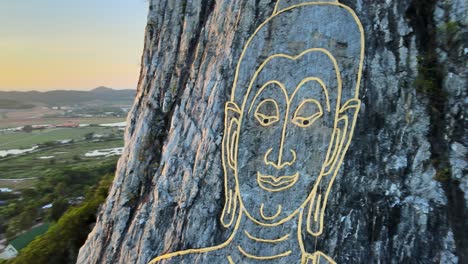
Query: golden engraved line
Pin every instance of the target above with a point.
(234, 202)
(231, 142)
(353, 14)
(200, 250)
(263, 240)
(230, 109)
(287, 253)
(337, 157)
(322, 85)
(275, 10)
(282, 221)
(299, 120)
(283, 89)
(261, 116)
(319, 254)
(289, 183)
(267, 84)
(230, 201)
(333, 143)
(277, 181)
(299, 231)
(230, 260)
(316, 215)
(280, 164)
(278, 212)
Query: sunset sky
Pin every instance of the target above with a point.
(65, 44)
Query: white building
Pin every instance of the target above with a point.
(9, 252)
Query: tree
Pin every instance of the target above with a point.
(59, 206)
(60, 244)
(89, 136)
(27, 128)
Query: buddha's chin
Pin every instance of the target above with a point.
(268, 214)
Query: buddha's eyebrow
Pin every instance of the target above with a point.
(319, 81)
(266, 85)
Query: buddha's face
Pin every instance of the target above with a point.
(285, 131)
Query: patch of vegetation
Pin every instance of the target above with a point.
(13, 140)
(442, 175)
(63, 240)
(60, 186)
(55, 159)
(448, 32)
(13, 122)
(56, 174)
(428, 80)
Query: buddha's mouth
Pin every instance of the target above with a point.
(276, 184)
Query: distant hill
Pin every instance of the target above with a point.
(13, 104)
(69, 97)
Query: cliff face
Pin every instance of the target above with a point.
(401, 195)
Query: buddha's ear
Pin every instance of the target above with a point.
(342, 134)
(229, 157)
(340, 140)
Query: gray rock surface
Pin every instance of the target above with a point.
(401, 195)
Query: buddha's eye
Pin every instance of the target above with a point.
(307, 113)
(267, 112)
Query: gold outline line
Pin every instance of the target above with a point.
(311, 118)
(288, 183)
(241, 250)
(319, 253)
(200, 250)
(283, 88)
(267, 84)
(233, 211)
(269, 218)
(230, 260)
(275, 10)
(333, 143)
(351, 11)
(260, 115)
(288, 100)
(316, 215)
(231, 111)
(339, 158)
(263, 240)
(277, 181)
(230, 199)
(322, 85)
(356, 95)
(279, 165)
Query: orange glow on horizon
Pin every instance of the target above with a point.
(52, 44)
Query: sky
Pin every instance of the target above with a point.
(70, 44)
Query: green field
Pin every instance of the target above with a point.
(54, 173)
(18, 140)
(13, 122)
(18, 185)
(59, 157)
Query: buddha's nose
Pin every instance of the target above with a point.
(281, 160)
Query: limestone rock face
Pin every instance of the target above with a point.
(401, 194)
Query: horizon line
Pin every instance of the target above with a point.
(42, 90)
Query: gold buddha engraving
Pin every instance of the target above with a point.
(299, 124)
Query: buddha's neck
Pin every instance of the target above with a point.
(278, 243)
